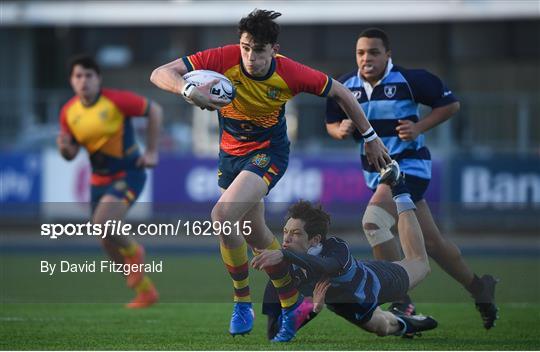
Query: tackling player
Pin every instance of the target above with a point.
(99, 120)
(391, 95)
(354, 288)
(254, 148)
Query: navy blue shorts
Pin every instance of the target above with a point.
(393, 278)
(127, 188)
(394, 282)
(348, 312)
(269, 164)
(417, 186)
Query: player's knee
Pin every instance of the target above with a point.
(219, 213)
(422, 271)
(426, 269)
(383, 329)
(380, 324)
(377, 223)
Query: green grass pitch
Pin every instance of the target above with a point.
(85, 311)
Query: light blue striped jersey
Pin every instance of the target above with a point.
(396, 97)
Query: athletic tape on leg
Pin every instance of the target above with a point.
(404, 202)
(383, 220)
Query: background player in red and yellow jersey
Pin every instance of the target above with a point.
(99, 120)
(254, 148)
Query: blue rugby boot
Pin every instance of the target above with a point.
(242, 319)
(293, 318)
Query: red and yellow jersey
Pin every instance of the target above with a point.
(255, 118)
(104, 128)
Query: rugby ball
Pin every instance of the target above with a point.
(223, 90)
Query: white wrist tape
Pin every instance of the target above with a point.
(369, 135)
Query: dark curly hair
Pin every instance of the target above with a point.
(316, 220)
(376, 33)
(85, 61)
(261, 26)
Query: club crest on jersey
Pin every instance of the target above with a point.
(357, 94)
(246, 127)
(76, 119)
(273, 93)
(260, 160)
(390, 91)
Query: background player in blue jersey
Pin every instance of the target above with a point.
(354, 288)
(390, 97)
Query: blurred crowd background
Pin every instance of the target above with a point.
(486, 158)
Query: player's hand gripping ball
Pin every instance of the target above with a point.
(223, 91)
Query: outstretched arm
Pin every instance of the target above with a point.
(315, 266)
